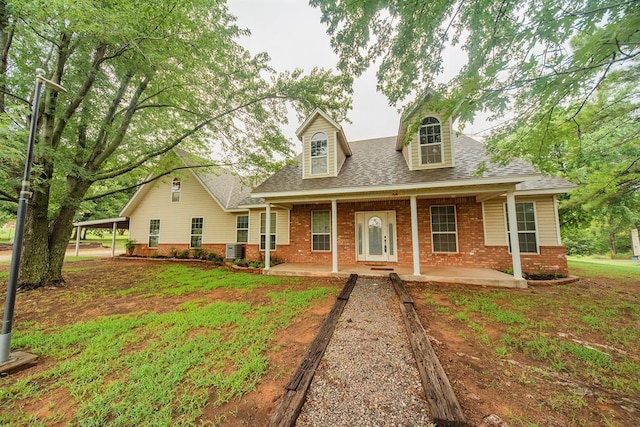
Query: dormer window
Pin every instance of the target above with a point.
(430, 140)
(176, 186)
(319, 154)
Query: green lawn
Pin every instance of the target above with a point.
(155, 368)
(626, 271)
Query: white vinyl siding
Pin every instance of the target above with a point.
(195, 201)
(495, 221)
(319, 124)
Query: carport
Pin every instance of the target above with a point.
(115, 224)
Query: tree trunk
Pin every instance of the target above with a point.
(612, 245)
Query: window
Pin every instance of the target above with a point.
(242, 228)
(196, 232)
(263, 219)
(527, 234)
(319, 157)
(430, 140)
(176, 186)
(154, 232)
(320, 230)
(444, 231)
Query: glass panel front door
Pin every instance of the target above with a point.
(378, 238)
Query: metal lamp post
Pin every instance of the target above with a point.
(7, 321)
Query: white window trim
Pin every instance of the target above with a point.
(455, 216)
(149, 232)
(431, 145)
(275, 233)
(311, 156)
(321, 234)
(248, 227)
(201, 235)
(535, 220)
(179, 192)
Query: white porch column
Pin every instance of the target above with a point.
(78, 240)
(113, 239)
(513, 234)
(334, 236)
(414, 236)
(267, 237)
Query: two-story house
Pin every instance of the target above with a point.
(419, 201)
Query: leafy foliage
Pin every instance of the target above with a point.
(142, 77)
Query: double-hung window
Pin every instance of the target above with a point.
(319, 154)
(430, 140)
(320, 230)
(444, 231)
(263, 228)
(196, 232)
(527, 232)
(242, 228)
(176, 188)
(154, 233)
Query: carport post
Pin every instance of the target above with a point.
(78, 240)
(113, 239)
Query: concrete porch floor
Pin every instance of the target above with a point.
(440, 274)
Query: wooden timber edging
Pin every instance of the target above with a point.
(288, 408)
(444, 406)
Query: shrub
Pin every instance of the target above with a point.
(130, 245)
(212, 256)
(173, 253)
(184, 254)
(200, 253)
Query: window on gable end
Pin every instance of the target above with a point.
(430, 140)
(319, 154)
(176, 188)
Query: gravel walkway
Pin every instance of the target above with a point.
(368, 375)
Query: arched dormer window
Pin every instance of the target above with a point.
(176, 187)
(430, 140)
(319, 154)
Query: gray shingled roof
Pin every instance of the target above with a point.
(376, 163)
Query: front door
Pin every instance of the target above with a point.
(375, 234)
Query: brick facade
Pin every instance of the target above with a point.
(164, 249)
(472, 252)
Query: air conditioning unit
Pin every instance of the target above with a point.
(234, 251)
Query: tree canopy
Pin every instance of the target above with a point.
(560, 77)
(142, 77)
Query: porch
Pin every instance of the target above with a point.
(438, 274)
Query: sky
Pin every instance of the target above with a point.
(291, 33)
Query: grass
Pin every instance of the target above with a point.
(625, 271)
(540, 326)
(204, 352)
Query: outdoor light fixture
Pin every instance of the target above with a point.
(7, 321)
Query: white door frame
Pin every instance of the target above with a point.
(388, 237)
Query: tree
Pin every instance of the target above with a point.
(525, 59)
(143, 77)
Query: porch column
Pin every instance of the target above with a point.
(78, 240)
(513, 234)
(414, 235)
(334, 236)
(267, 237)
(113, 239)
